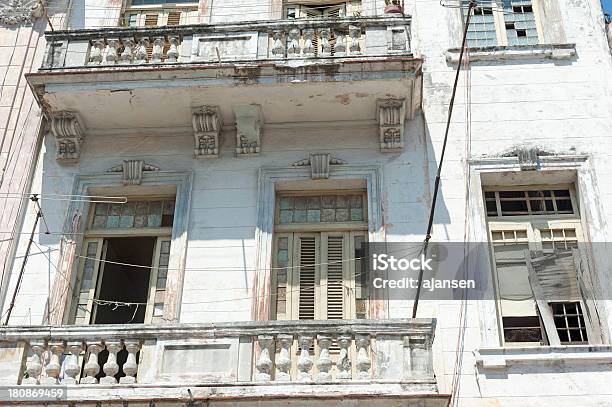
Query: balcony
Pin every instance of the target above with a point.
(215, 362)
(323, 70)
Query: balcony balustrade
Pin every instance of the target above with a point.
(272, 354)
(250, 41)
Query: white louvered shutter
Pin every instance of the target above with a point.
(308, 257)
(334, 267)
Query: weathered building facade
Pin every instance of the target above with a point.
(207, 174)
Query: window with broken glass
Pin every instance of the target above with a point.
(534, 234)
(503, 22)
(124, 262)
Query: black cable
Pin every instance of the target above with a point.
(432, 210)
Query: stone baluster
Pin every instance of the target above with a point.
(283, 362)
(95, 55)
(293, 49)
(111, 367)
(325, 34)
(304, 363)
(278, 50)
(264, 362)
(309, 50)
(128, 50)
(34, 365)
(73, 367)
(355, 34)
(173, 52)
(340, 46)
(111, 55)
(344, 361)
(53, 368)
(130, 367)
(363, 361)
(324, 363)
(158, 49)
(92, 368)
(140, 56)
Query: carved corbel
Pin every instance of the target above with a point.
(249, 123)
(391, 114)
(68, 129)
(132, 171)
(15, 12)
(319, 164)
(207, 126)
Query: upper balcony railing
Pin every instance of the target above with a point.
(264, 353)
(245, 41)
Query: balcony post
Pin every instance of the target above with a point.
(173, 53)
(128, 50)
(324, 364)
(309, 50)
(73, 368)
(141, 51)
(344, 362)
(158, 49)
(34, 365)
(293, 49)
(304, 363)
(111, 368)
(278, 50)
(264, 363)
(363, 356)
(325, 34)
(283, 362)
(97, 47)
(92, 368)
(355, 34)
(54, 367)
(340, 46)
(130, 367)
(111, 55)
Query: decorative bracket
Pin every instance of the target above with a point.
(67, 127)
(15, 12)
(391, 114)
(132, 171)
(207, 126)
(249, 123)
(528, 156)
(319, 164)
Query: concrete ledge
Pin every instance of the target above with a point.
(499, 359)
(517, 52)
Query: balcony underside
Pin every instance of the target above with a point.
(317, 90)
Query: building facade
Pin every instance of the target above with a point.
(189, 187)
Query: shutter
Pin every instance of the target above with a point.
(150, 21)
(83, 299)
(335, 277)
(283, 277)
(174, 18)
(307, 277)
(159, 277)
(334, 12)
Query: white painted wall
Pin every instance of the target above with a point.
(563, 106)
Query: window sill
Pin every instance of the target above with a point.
(500, 359)
(517, 52)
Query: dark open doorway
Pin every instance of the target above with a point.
(125, 283)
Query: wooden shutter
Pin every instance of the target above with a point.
(151, 20)
(332, 276)
(93, 250)
(157, 281)
(174, 18)
(308, 259)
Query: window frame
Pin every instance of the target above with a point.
(533, 224)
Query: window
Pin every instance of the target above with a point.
(532, 233)
(319, 254)
(151, 13)
(124, 261)
(502, 22)
(321, 9)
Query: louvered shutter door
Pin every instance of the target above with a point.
(87, 282)
(307, 277)
(161, 275)
(335, 265)
(150, 21)
(174, 18)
